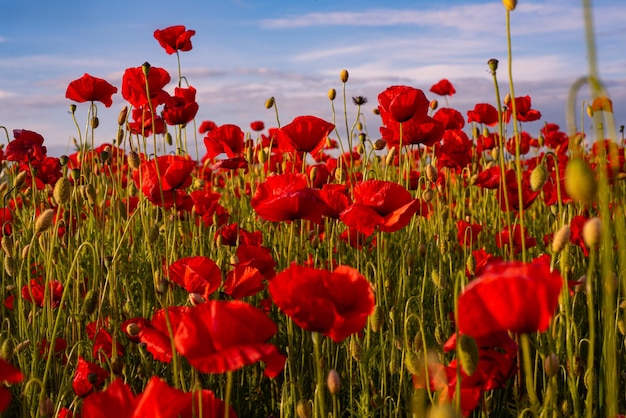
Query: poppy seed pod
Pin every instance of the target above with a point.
(493, 65)
(343, 76)
(468, 354)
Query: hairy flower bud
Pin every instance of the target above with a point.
(332, 93)
(580, 181)
(592, 232)
(538, 177)
(44, 220)
(509, 4)
(333, 381)
(62, 191)
(561, 238)
(343, 76)
(269, 103)
(121, 117)
(468, 353)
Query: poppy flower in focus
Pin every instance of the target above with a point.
(8, 374)
(243, 281)
(305, 134)
(257, 257)
(383, 204)
(443, 88)
(483, 113)
(226, 139)
(217, 337)
(287, 197)
(180, 108)
(165, 187)
(196, 274)
(510, 296)
(207, 207)
(134, 86)
(174, 38)
(91, 89)
(455, 151)
(335, 304)
(401, 103)
(88, 376)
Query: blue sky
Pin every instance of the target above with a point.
(245, 51)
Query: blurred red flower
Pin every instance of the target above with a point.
(174, 38)
(510, 296)
(35, 292)
(335, 304)
(102, 341)
(383, 204)
(196, 274)
(524, 112)
(116, 400)
(233, 235)
(180, 108)
(207, 207)
(455, 150)
(91, 89)
(449, 118)
(483, 113)
(217, 337)
(443, 88)
(467, 234)
(305, 134)
(88, 376)
(524, 144)
(144, 124)
(134, 86)
(243, 281)
(257, 125)
(8, 374)
(503, 239)
(287, 197)
(257, 257)
(206, 126)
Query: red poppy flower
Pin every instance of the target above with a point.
(144, 124)
(102, 341)
(180, 108)
(305, 134)
(450, 118)
(576, 233)
(243, 281)
(26, 147)
(489, 178)
(402, 103)
(524, 144)
(91, 89)
(257, 257)
(8, 374)
(510, 296)
(423, 130)
(206, 126)
(335, 304)
(197, 274)
(217, 337)
(524, 112)
(134, 86)
(528, 196)
(35, 292)
(455, 150)
(483, 259)
(503, 238)
(257, 125)
(443, 88)
(207, 207)
(287, 197)
(160, 400)
(467, 234)
(165, 187)
(6, 217)
(174, 38)
(233, 235)
(116, 400)
(382, 204)
(88, 376)
(483, 113)
(554, 138)
(226, 139)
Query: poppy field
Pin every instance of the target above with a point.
(448, 264)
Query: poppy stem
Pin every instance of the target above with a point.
(319, 390)
(528, 372)
(229, 389)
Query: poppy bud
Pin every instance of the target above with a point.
(434, 104)
(72, 108)
(46, 408)
(493, 65)
(90, 302)
(590, 111)
(551, 364)
(196, 299)
(507, 99)
(90, 194)
(355, 349)
(333, 381)
(509, 4)
(145, 68)
(62, 191)
(592, 231)
(470, 264)
(561, 238)
(436, 278)
(580, 181)
(468, 353)
(343, 76)
(362, 137)
(269, 103)
(376, 111)
(133, 160)
(44, 220)
(19, 179)
(304, 409)
(376, 320)
(9, 266)
(379, 144)
(621, 326)
(428, 195)
(421, 250)
(94, 122)
(413, 363)
(7, 245)
(121, 117)
(117, 365)
(538, 177)
(332, 93)
(6, 350)
(431, 173)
